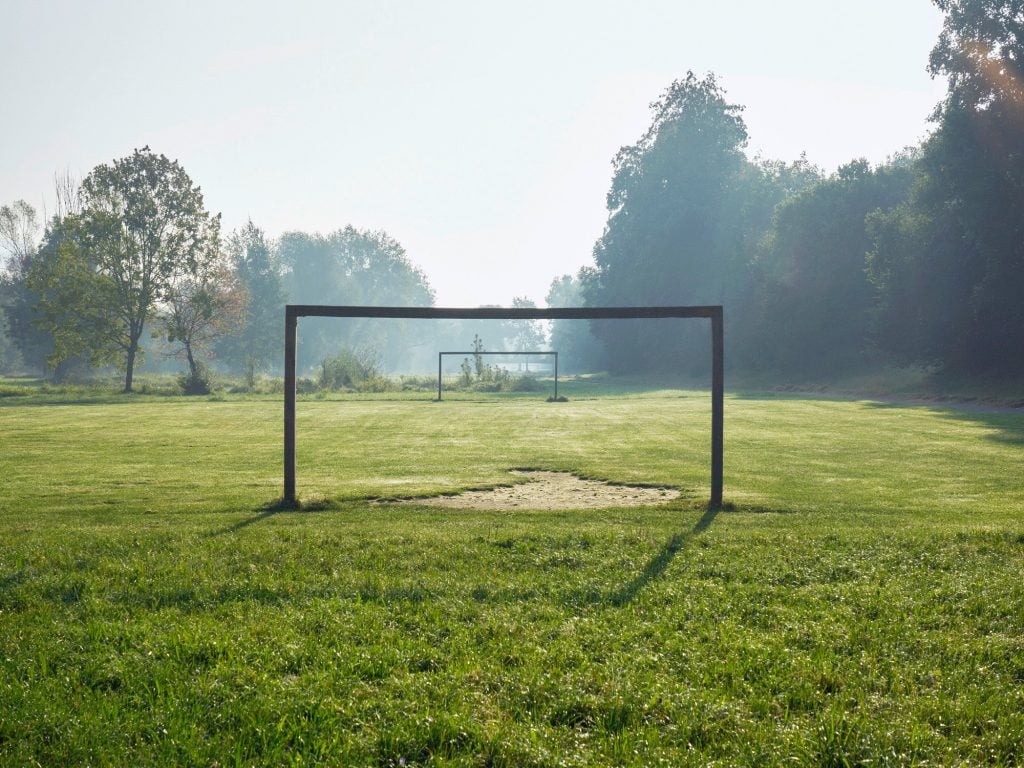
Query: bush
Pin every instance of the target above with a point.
(252, 372)
(521, 384)
(197, 382)
(417, 383)
(375, 383)
(349, 369)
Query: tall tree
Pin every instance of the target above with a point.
(671, 235)
(352, 266)
(949, 265)
(981, 51)
(75, 300)
(578, 350)
(143, 227)
(20, 252)
(815, 298)
(10, 359)
(19, 233)
(259, 343)
(20, 296)
(201, 309)
(525, 335)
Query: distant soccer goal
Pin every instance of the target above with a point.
(477, 354)
(713, 313)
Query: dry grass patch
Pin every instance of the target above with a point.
(551, 491)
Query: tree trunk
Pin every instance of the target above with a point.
(134, 334)
(130, 366)
(191, 360)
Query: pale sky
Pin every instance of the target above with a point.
(478, 134)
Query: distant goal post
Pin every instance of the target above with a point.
(293, 312)
(474, 353)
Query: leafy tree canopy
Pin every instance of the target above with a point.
(259, 343)
(355, 267)
(981, 51)
(679, 211)
(948, 266)
(142, 229)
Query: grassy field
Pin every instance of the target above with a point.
(859, 601)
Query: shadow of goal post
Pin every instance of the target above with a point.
(292, 313)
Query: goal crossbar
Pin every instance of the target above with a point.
(481, 352)
(293, 312)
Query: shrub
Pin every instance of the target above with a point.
(252, 372)
(349, 369)
(417, 383)
(197, 382)
(522, 384)
(375, 383)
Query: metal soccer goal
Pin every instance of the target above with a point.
(483, 353)
(293, 312)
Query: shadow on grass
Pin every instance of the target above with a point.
(269, 510)
(1006, 421)
(263, 515)
(660, 561)
(83, 396)
(1006, 424)
(12, 580)
(25, 401)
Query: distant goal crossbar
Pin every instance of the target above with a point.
(292, 313)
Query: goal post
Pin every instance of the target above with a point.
(482, 352)
(293, 312)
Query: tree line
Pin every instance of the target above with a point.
(132, 250)
(919, 260)
(133, 262)
(915, 261)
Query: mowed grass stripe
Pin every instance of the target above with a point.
(789, 454)
(861, 602)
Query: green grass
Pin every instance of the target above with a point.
(860, 601)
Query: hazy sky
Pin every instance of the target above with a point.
(478, 134)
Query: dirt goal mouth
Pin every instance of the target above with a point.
(549, 490)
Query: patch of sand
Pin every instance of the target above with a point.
(553, 490)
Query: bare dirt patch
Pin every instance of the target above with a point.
(553, 490)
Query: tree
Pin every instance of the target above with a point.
(948, 266)
(675, 234)
(25, 255)
(815, 298)
(142, 229)
(259, 343)
(19, 234)
(43, 278)
(9, 357)
(981, 51)
(526, 335)
(19, 293)
(201, 309)
(19, 231)
(75, 301)
(356, 267)
(478, 360)
(578, 350)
